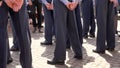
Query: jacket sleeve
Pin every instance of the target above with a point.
(44, 1)
(52, 2)
(77, 0)
(119, 2)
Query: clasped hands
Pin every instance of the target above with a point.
(71, 5)
(115, 2)
(49, 6)
(14, 4)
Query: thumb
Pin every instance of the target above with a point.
(0, 3)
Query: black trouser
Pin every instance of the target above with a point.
(36, 6)
(21, 29)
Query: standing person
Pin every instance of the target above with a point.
(18, 13)
(49, 21)
(65, 23)
(79, 25)
(105, 23)
(88, 18)
(16, 45)
(36, 6)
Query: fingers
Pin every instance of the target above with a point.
(14, 4)
(8, 2)
(52, 7)
(17, 5)
(115, 2)
(30, 3)
(49, 6)
(111, 0)
(68, 5)
(0, 3)
(15, 8)
(71, 5)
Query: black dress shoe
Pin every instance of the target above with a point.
(116, 32)
(41, 26)
(56, 62)
(68, 48)
(14, 49)
(40, 31)
(99, 52)
(35, 29)
(92, 35)
(10, 60)
(78, 57)
(110, 49)
(46, 43)
(118, 35)
(85, 36)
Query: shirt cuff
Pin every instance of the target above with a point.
(64, 1)
(44, 2)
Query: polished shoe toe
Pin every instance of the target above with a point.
(85, 36)
(56, 62)
(99, 52)
(110, 49)
(10, 60)
(78, 57)
(14, 49)
(68, 48)
(46, 43)
(92, 35)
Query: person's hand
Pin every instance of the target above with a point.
(115, 2)
(9, 3)
(68, 5)
(49, 6)
(14, 4)
(111, 0)
(17, 5)
(30, 3)
(52, 7)
(0, 3)
(73, 5)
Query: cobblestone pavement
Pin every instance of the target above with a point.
(41, 54)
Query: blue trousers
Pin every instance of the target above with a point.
(79, 25)
(65, 23)
(88, 17)
(49, 24)
(21, 29)
(105, 23)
